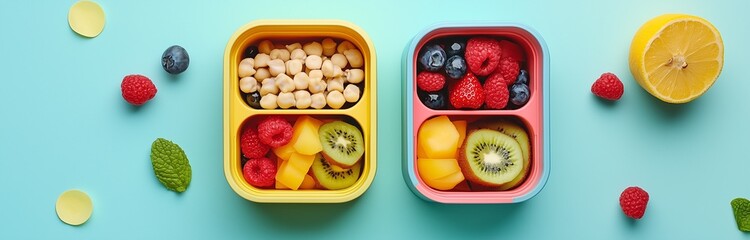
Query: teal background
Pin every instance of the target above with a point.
(64, 125)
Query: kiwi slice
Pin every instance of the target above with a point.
(517, 132)
(490, 158)
(334, 177)
(343, 144)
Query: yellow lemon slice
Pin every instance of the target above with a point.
(676, 57)
(86, 18)
(74, 207)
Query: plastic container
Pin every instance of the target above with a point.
(534, 115)
(236, 111)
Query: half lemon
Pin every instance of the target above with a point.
(676, 57)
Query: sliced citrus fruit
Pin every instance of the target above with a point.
(676, 57)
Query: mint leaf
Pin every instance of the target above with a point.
(171, 166)
(741, 209)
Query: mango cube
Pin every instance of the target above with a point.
(438, 138)
(305, 136)
(292, 172)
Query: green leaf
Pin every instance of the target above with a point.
(741, 209)
(171, 166)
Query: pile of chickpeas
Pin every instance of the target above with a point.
(310, 75)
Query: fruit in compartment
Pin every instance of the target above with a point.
(518, 133)
(490, 158)
(438, 137)
(305, 136)
(343, 144)
(440, 174)
(432, 57)
(333, 177)
(292, 172)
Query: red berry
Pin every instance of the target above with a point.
(251, 145)
(482, 55)
(274, 131)
(496, 92)
(608, 86)
(467, 93)
(137, 89)
(430, 81)
(260, 172)
(509, 69)
(633, 202)
(512, 50)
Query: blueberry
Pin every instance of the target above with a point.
(432, 57)
(434, 100)
(523, 77)
(455, 47)
(455, 67)
(250, 52)
(175, 60)
(253, 99)
(519, 94)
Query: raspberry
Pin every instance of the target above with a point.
(467, 93)
(608, 86)
(482, 55)
(633, 201)
(496, 92)
(509, 69)
(512, 50)
(251, 145)
(430, 81)
(274, 131)
(137, 89)
(260, 172)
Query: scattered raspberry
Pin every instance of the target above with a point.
(430, 81)
(482, 55)
(260, 172)
(608, 86)
(274, 131)
(467, 93)
(137, 89)
(496, 92)
(512, 50)
(509, 69)
(633, 202)
(250, 144)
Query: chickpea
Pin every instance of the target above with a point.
(268, 101)
(265, 46)
(353, 75)
(246, 69)
(354, 57)
(248, 84)
(276, 67)
(351, 93)
(282, 54)
(318, 101)
(313, 62)
(268, 86)
(303, 99)
(285, 100)
(298, 54)
(284, 83)
(346, 45)
(261, 60)
(335, 99)
(301, 81)
(262, 73)
(313, 48)
(329, 47)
